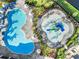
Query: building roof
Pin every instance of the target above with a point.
(75, 3)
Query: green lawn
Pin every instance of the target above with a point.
(60, 53)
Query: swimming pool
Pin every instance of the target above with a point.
(14, 37)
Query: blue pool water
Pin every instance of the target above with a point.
(60, 25)
(14, 37)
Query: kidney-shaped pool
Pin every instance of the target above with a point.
(14, 37)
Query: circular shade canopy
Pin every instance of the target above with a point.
(57, 27)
